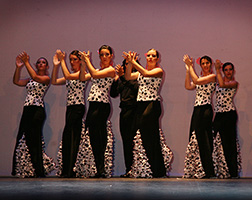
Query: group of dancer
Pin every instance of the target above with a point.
(86, 149)
(213, 149)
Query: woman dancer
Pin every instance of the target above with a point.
(128, 94)
(33, 117)
(99, 106)
(226, 119)
(148, 110)
(75, 107)
(198, 161)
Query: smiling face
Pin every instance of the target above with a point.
(105, 57)
(75, 63)
(205, 66)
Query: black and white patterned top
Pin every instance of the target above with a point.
(35, 93)
(100, 89)
(148, 88)
(224, 99)
(204, 94)
(75, 92)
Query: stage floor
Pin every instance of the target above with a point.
(124, 189)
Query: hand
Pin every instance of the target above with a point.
(85, 56)
(188, 61)
(19, 62)
(24, 57)
(61, 55)
(56, 61)
(130, 56)
(218, 65)
(119, 70)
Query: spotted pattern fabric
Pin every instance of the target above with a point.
(35, 93)
(75, 92)
(224, 99)
(85, 162)
(148, 88)
(204, 94)
(99, 91)
(24, 167)
(193, 165)
(219, 161)
(141, 167)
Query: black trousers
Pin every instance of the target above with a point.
(71, 138)
(31, 126)
(96, 122)
(201, 123)
(128, 131)
(148, 113)
(225, 123)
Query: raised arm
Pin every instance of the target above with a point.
(189, 85)
(65, 71)
(155, 72)
(36, 77)
(55, 79)
(129, 75)
(16, 76)
(84, 76)
(106, 72)
(198, 80)
(222, 83)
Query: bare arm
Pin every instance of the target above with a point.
(38, 78)
(189, 85)
(198, 80)
(84, 76)
(106, 72)
(16, 77)
(55, 79)
(65, 71)
(222, 83)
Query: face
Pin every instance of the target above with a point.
(151, 57)
(105, 57)
(228, 71)
(41, 65)
(75, 63)
(206, 66)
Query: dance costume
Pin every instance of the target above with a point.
(73, 126)
(29, 159)
(96, 122)
(225, 127)
(148, 151)
(198, 160)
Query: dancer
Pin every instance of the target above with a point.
(33, 117)
(198, 161)
(128, 94)
(225, 120)
(75, 108)
(148, 111)
(99, 106)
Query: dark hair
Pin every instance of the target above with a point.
(226, 64)
(106, 47)
(44, 59)
(207, 58)
(124, 67)
(157, 53)
(76, 53)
